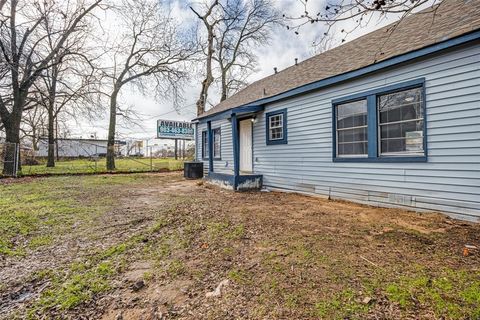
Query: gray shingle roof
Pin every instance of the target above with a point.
(449, 19)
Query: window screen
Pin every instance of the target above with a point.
(401, 123)
(352, 139)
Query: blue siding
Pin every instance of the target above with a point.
(225, 165)
(449, 182)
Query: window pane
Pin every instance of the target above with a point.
(400, 106)
(276, 127)
(352, 135)
(276, 121)
(276, 134)
(352, 138)
(356, 148)
(400, 130)
(411, 143)
(353, 114)
(401, 122)
(216, 143)
(205, 144)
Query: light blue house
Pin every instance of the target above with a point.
(389, 119)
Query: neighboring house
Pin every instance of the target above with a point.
(75, 148)
(385, 119)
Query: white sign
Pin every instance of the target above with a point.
(414, 141)
(168, 129)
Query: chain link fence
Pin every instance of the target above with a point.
(80, 159)
(9, 159)
(96, 164)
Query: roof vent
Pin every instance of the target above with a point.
(275, 69)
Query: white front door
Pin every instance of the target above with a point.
(246, 164)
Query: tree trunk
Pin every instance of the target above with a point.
(34, 142)
(56, 139)
(9, 155)
(12, 136)
(224, 86)
(111, 131)
(51, 139)
(207, 82)
(52, 95)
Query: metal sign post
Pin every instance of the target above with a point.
(176, 149)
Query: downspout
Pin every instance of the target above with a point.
(236, 151)
(210, 146)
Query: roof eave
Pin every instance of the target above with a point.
(422, 52)
(244, 109)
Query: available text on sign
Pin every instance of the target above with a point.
(168, 129)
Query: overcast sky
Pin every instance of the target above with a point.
(281, 52)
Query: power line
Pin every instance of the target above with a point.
(173, 110)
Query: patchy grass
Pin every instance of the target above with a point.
(223, 230)
(40, 241)
(286, 256)
(79, 283)
(239, 276)
(175, 268)
(33, 213)
(341, 305)
(454, 294)
(29, 209)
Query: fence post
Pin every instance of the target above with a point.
(17, 158)
(13, 160)
(96, 157)
(176, 149)
(151, 160)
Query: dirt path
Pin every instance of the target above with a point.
(165, 248)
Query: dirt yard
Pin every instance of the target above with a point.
(154, 246)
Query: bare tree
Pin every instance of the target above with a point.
(247, 24)
(34, 125)
(150, 52)
(232, 29)
(357, 13)
(25, 53)
(69, 85)
(209, 19)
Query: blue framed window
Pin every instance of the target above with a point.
(276, 125)
(385, 125)
(216, 133)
